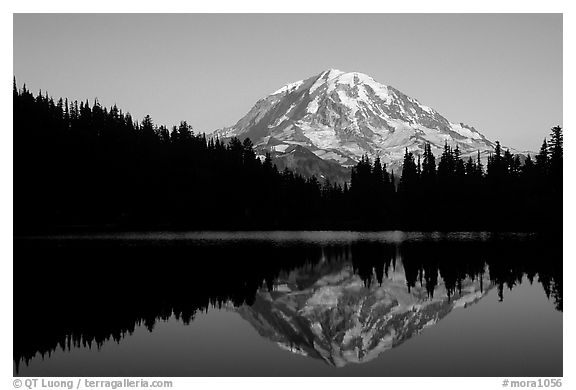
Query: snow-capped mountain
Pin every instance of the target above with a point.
(338, 318)
(341, 116)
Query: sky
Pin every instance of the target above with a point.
(501, 73)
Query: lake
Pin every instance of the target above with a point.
(288, 304)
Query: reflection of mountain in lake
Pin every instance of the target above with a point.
(340, 298)
(342, 319)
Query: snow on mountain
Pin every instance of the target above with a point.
(337, 318)
(339, 116)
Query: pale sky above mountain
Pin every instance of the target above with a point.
(501, 73)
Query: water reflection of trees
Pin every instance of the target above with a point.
(83, 293)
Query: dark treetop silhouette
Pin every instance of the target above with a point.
(79, 164)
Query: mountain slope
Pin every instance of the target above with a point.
(300, 159)
(340, 116)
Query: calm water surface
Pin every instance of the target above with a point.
(288, 304)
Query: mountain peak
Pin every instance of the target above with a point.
(341, 116)
(331, 72)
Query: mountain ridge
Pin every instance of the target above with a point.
(341, 116)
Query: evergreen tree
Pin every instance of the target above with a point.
(388, 180)
(459, 169)
(378, 179)
(479, 167)
(470, 168)
(508, 161)
(515, 166)
(555, 170)
(542, 158)
(555, 145)
(446, 167)
(184, 132)
(429, 164)
(555, 153)
(147, 128)
(409, 178)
